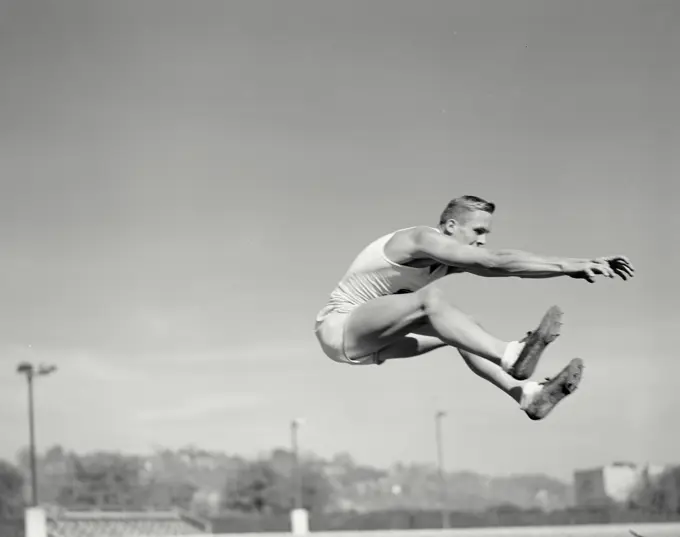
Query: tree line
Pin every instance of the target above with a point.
(192, 480)
(258, 493)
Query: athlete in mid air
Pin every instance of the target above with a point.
(385, 306)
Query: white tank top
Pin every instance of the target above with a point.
(372, 275)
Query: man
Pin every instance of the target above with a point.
(385, 306)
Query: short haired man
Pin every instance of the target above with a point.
(385, 306)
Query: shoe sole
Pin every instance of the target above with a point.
(563, 385)
(548, 330)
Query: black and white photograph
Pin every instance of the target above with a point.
(339, 268)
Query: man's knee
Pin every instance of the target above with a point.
(433, 300)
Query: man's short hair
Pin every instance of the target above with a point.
(465, 203)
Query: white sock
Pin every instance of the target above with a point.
(511, 354)
(529, 391)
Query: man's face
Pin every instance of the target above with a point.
(470, 227)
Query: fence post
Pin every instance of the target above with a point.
(299, 522)
(36, 522)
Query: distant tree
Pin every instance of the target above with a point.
(182, 494)
(268, 485)
(104, 480)
(54, 471)
(11, 490)
(254, 489)
(169, 493)
(317, 490)
(659, 495)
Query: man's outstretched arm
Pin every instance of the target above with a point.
(507, 263)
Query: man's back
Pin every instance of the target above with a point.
(372, 274)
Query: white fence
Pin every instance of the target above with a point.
(599, 530)
(36, 527)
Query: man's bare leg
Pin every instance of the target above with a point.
(495, 375)
(379, 323)
(423, 341)
(536, 399)
(483, 368)
(411, 345)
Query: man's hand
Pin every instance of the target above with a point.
(619, 264)
(609, 267)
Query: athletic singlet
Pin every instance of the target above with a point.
(372, 275)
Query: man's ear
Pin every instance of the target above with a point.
(450, 226)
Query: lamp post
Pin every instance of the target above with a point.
(32, 372)
(439, 415)
(299, 518)
(297, 474)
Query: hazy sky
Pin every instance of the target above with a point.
(183, 183)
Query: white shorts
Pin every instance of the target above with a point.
(330, 331)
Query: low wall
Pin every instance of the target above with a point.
(578, 530)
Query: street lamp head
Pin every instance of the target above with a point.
(28, 369)
(46, 369)
(25, 368)
(440, 413)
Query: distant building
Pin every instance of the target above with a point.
(611, 484)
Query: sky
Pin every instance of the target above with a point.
(183, 184)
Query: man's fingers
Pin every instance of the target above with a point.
(604, 269)
(622, 274)
(620, 264)
(609, 267)
(622, 267)
(622, 259)
(625, 260)
(627, 270)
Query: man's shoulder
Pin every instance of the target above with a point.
(411, 235)
(404, 243)
(414, 231)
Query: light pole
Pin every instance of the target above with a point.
(32, 372)
(440, 464)
(294, 427)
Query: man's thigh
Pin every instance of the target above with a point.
(408, 346)
(380, 322)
